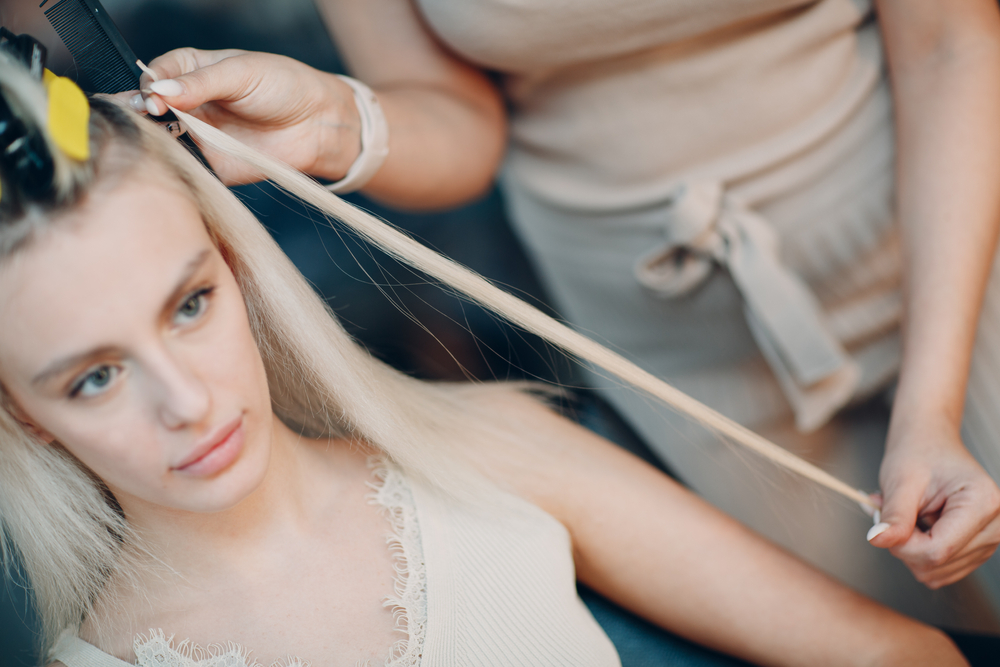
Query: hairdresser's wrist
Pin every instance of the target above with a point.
(915, 415)
(930, 397)
(338, 131)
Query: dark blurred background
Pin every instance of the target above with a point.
(402, 319)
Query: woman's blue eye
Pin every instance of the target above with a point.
(96, 381)
(192, 306)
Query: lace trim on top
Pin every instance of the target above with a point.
(409, 600)
(157, 650)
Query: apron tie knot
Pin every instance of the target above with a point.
(704, 227)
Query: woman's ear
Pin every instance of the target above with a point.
(22, 418)
(37, 432)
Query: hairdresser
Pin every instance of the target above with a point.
(783, 207)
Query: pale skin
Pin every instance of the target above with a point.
(447, 131)
(143, 351)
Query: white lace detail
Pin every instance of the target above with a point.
(409, 604)
(409, 600)
(157, 650)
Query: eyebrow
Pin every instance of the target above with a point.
(60, 366)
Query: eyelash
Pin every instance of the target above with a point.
(78, 387)
(199, 295)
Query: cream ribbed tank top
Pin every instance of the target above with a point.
(492, 586)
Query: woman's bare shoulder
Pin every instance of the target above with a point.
(542, 431)
(552, 458)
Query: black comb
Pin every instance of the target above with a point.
(104, 59)
(106, 63)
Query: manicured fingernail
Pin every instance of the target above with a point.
(137, 103)
(877, 530)
(151, 107)
(167, 87)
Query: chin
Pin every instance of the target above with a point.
(230, 487)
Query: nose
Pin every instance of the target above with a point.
(182, 398)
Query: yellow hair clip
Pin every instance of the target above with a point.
(69, 116)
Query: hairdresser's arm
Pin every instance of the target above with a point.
(447, 123)
(447, 126)
(945, 67)
(653, 547)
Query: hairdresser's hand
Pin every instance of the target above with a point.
(280, 106)
(941, 506)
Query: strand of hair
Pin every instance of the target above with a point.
(529, 318)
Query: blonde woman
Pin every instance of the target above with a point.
(193, 453)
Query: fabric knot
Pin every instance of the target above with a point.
(705, 227)
(692, 242)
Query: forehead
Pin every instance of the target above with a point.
(93, 272)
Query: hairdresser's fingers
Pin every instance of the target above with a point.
(969, 517)
(928, 473)
(181, 61)
(936, 577)
(925, 553)
(304, 117)
(184, 60)
(940, 553)
(949, 574)
(938, 550)
(187, 92)
(130, 98)
(900, 505)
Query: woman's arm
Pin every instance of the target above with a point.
(648, 544)
(944, 59)
(447, 125)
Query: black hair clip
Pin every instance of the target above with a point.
(25, 159)
(25, 48)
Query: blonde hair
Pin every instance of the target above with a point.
(66, 527)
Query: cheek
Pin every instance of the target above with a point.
(230, 363)
(121, 448)
(240, 356)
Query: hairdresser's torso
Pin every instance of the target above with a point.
(615, 106)
(612, 99)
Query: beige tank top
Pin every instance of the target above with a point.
(490, 586)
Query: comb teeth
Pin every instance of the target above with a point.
(106, 63)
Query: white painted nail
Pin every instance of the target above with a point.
(151, 107)
(877, 530)
(137, 103)
(167, 88)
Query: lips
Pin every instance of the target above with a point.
(216, 452)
